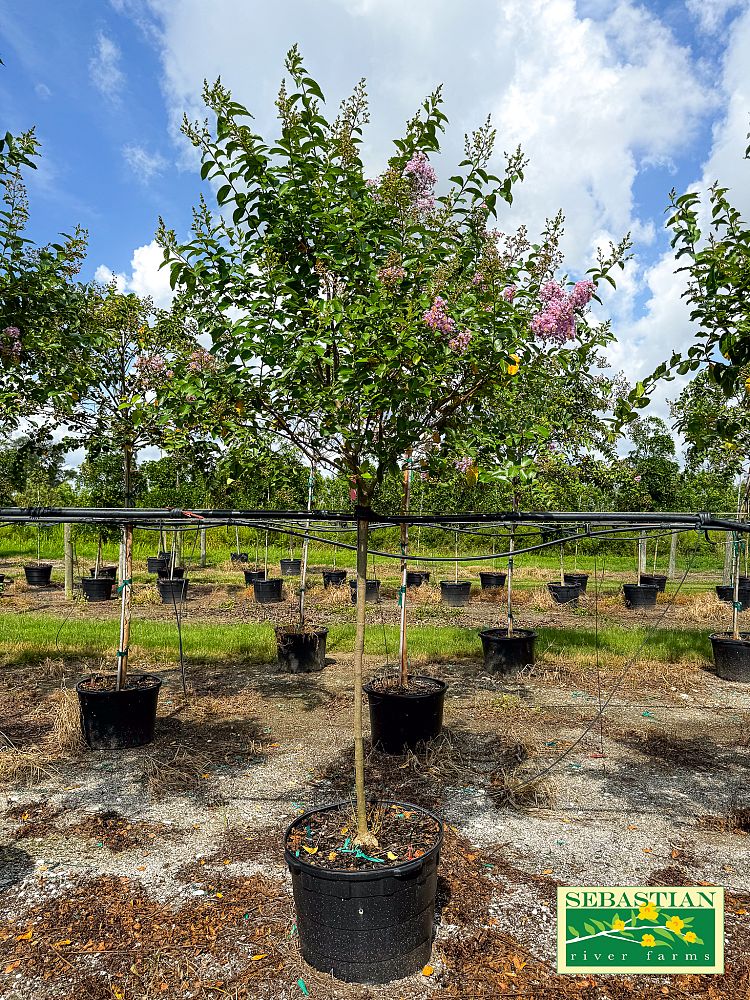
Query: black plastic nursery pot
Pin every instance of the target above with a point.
(400, 720)
(38, 576)
(416, 577)
(301, 652)
(653, 580)
(732, 656)
(291, 567)
(639, 595)
(110, 572)
(334, 577)
(116, 720)
(238, 557)
(727, 594)
(154, 564)
(507, 654)
(455, 595)
(166, 556)
(97, 589)
(579, 579)
(565, 593)
(492, 581)
(173, 590)
(370, 926)
(168, 573)
(372, 590)
(252, 575)
(268, 591)
(744, 582)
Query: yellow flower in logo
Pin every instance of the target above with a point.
(618, 924)
(648, 941)
(690, 937)
(674, 924)
(513, 369)
(648, 912)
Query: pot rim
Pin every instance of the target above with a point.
(518, 633)
(727, 637)
(370, 874)
(443, 687)
(38, 566)
(156, 678)
(319, 631)
(640, 586)
(455, 583)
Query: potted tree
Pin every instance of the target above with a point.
(346, 316)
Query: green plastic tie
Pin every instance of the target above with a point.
(123, 585)
(737, 605)
(123, 652)
(366, 857)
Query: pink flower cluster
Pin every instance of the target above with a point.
(150, 364)
(464, 464)
(437, 317)
(460, 342)
(11, 345)
(201, 361)
(478, 279)
(509, 293)
(391, 275)
(557, 321)
(423, 179)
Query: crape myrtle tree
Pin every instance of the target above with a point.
(359, 318)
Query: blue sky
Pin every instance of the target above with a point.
(615, 103)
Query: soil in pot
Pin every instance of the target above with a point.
(653, 580)
(301, 652)
(168, 573)
(173, 590)
(251, 575)
(115, 720)
(366, 917)
(238, 557)
(291, 567)
(581, 579)
(732, 656)
(38, 576)
(565, 593)
(334, 577)
(726, 594)
(154, 564)
(110, 572)
(416, 577)
(268, 591)
(492, 581)
(507, 654)
(372, 591)
(455, 595)
(402, 718)
(97, 589)
(638, 596)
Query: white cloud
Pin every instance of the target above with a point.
(104, 67)
(144, 165)
(145, 278)
(711, 14)
(42, 90)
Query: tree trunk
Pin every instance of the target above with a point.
(404, 567)
(736, 591)
(68, 542)
(126, 578)
(364, 838)
(641, 554)
(203, 547)
(305, 547)
(727, 574)
(562, 566)
(98, 563)
(672, 555)
(510, 580)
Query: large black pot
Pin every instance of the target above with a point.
(455, 595)
(744, 582)
(110, 572)
(366, 926)
(491, 580)
(166, 556)
(653, 580)
(565, 593)
(372, 590)
(115, 720)
(581, 579)
(97, 589)
(38, 576)
(268, 591)
(175, 574)
(252, 575)
(726, 594)
(173, 590)
(400, 720)
(416, 577)
(291, 567)
(238, 557)
(155, 564)
(334, 577)
(507, 654)
(301, 652)
(639, 596)
(732, 656)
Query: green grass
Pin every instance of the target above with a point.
(30, 637)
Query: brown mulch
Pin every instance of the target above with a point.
(117, 833)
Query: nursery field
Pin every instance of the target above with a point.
(160, 871)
